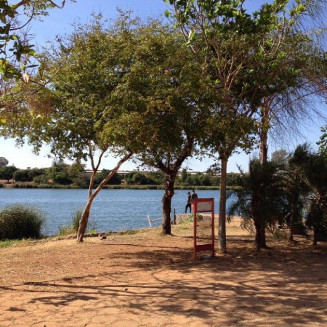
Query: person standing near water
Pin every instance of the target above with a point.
(188, 202)
(193, 196)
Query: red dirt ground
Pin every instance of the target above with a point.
(147, 279)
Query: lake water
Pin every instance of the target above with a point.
(112, 210)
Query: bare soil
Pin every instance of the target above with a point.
(147, 279)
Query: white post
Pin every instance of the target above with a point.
(149, 220)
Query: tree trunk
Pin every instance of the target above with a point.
(86, 213)
(166, 203)
(292, 221)
(290, 237)
(258, 234)
(263, 150)
(263, 237)
(315, 237)
(84, 219)
(222, 207)
(263, 158)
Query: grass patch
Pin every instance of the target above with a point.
(125, 232)
(8, 243)
(73, 228)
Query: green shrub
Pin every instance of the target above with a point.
(20, 221)
(62, 178)
(8, 243)
(73, 228)
(76, 218)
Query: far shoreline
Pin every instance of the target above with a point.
(110, 187)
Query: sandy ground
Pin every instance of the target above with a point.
(147, 279)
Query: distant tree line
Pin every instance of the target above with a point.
(76, 176)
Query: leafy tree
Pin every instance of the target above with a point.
(115, 180)
(164, 88)
(136, 178)
(22, 175)
(75, 170)
(7, 172)
(227, 41)
(204, 180)
(27, 175)
(88, 68)
(62, 178)
(192, 180)
(57, 167)
(76, 113)
(234, 179)
(184, 176)
(156, 177)
(198, 179)
(41, 179)
(3, 162)
(81, 181)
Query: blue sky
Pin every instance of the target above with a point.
(59, 22)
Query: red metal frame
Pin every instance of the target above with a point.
(204, 205)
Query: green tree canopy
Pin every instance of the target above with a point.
(163, 92)
(14, 47)
(7, 172)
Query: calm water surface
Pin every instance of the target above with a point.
(112, 210)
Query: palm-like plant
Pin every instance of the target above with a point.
(314, 167)
(261, 198)
(295, 189)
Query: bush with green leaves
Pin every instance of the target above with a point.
(76, 218)
(136, 178)
(82, 181)
(28, 175)
(73, 228)
(21, 175)
(7, 172)
(115, 180)
(20, 221)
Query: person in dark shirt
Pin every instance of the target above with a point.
(188, 202)
(193, 196)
